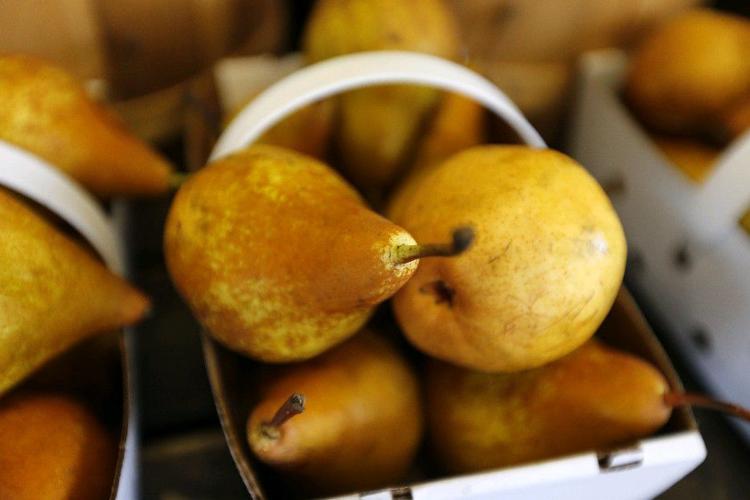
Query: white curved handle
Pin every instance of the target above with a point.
(26, 174)
(340, 74)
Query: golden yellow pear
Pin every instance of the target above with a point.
(53, 293)
(279, 257)
(592, 399)
(694, 158)
(736, 120)
(47, 112)
(361, 424)
(379, 126)
(543, 272)
(53, 448)
(691, 69)
(458, 124)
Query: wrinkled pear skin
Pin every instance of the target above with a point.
(362, 421)
(593, 399)
(277, 256)
(541, 275)
(47, 112)
(53, 448)
(53, 293)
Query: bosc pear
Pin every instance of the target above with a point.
(47, 112)
(53, 293)
(280, 259)
(53, 448)
(592, 399)
(353, 421)
(543, 273)
(379, 126)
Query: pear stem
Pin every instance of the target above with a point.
(674, 399)
(177, 179)
(294, 405)
(462, 238)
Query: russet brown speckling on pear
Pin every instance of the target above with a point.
(53, 293)
(379, 126)
(47, 112)
(53, 448)
(544, 270)
(358, 418)
(279, 258)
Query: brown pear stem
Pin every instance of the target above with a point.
(177, 179)
(294, 405)
(462, 239)
(674, 399)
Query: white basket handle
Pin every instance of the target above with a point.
(340, 74)
(30, 176)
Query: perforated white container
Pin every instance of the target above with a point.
(693, 257)
(640, 471)
(33, 178)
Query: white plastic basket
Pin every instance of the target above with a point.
(33, 178)
(693, 256)
(642, 471)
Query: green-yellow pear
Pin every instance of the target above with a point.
(379, 126)
(53, 293)
(279, 257)
(458, 124)
(592, 399)
(47, 112)
(690, 70)
(543, 273)
(361, 424)
(53, 448)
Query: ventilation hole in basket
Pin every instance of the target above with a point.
(701, 339)
(636, 264)
(682, 258)
(615, 186)
(745, 222)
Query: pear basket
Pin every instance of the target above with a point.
(690, 248)
(97, 371)
(647, 466)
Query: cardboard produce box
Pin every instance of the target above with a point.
(98, 371)
(642, 469)
(689, 254)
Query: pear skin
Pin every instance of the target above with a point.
(361, 423)
(47, 112)
(543, 273)
(691, 69)
(458, 124)
(592, 399)
(693, 158)
(736, 121)
(53, 448)
(52, 293)
(278, 256)
(379, 126)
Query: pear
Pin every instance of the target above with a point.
(47, 112)
(693, 158)
(458, 124)
(53, 448)
(690, 70)
(358, 423)
(736, 120)
(544, 271)
(379, 126)
(52, 293)
(279, 258)
(594, 398)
